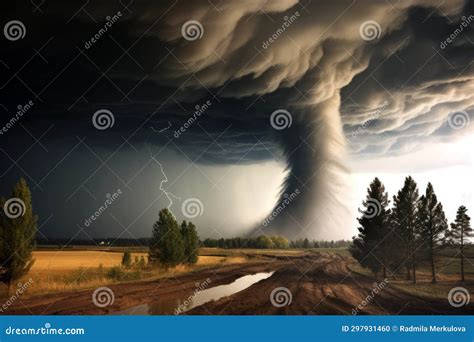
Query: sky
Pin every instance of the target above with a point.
(246, 117)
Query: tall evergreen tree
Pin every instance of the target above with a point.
(18, 226)
(370, 246)
(459, 233)
(166, 244)
(432, 225)
(405, 223)
(191, 242)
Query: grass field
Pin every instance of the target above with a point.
(46, 261)
(61, 270)
(448, 267)
(86, 267)
(71, 260)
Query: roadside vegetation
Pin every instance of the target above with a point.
(410, 240)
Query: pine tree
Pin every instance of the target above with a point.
(370, 246)
(18, 226)
(405, 224)
(191, 242)
(460, 232)
(432, 225)
(166, 244)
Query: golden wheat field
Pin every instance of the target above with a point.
(72, 260)
(56, 270)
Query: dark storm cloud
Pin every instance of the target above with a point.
(224, 65)
(424, 79)
(319, 69)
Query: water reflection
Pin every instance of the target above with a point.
(169, 307)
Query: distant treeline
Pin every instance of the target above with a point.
(410, 233)
(104, 242)
(238, 242)
(264, 242)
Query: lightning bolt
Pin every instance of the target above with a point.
(169, 195)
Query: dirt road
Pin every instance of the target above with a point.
(317, 283)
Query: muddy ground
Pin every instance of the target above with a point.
(319, 283)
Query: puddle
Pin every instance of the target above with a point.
(170, 307)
